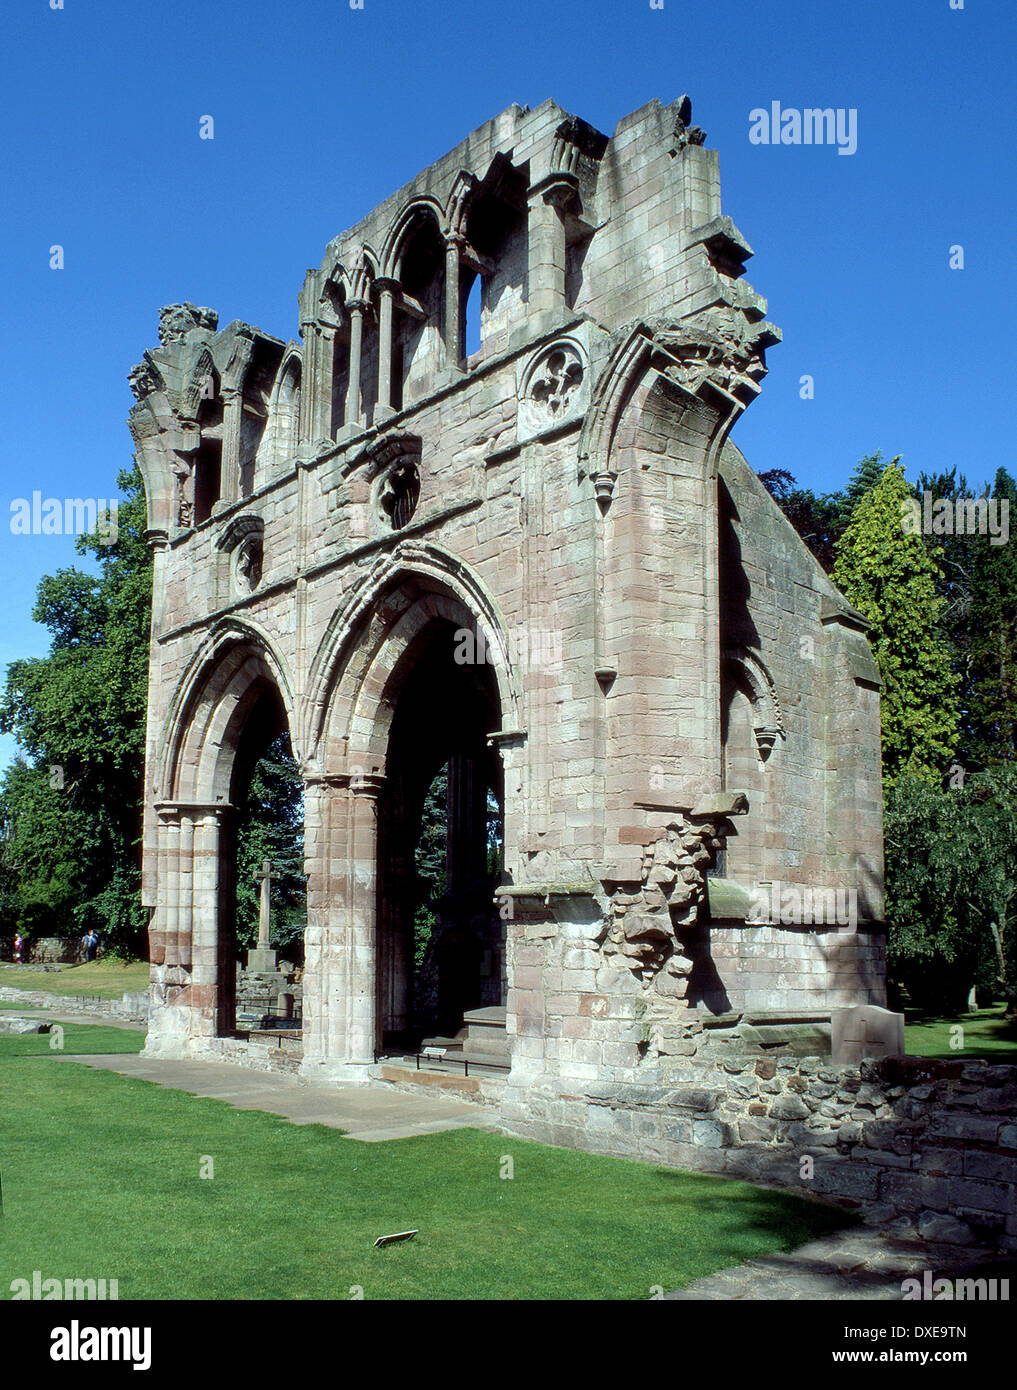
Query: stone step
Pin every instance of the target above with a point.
(448, 1081)
(481, 1057)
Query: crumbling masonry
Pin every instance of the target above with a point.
(536, 559)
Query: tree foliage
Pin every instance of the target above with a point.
(952, 887)
(822, 518)
(430, 862)
(270, 825)
(73, 802)
(991, 707)
(891, 577)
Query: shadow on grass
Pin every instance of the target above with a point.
(984, 1033)
(788, 1218)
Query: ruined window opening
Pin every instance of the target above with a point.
(398, 494)
(473, 302)
(206, 481)
(284, 419)
(497, 230)
(256, 394)
(420, 331)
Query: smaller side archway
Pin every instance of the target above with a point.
(235, 696)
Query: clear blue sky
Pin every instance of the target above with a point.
(321, 111)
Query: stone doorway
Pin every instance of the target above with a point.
(440, 935)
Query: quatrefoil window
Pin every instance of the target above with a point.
(562, 373)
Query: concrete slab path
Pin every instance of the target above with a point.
(370, 1113)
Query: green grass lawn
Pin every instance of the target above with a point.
(75, 1039)
(986, 1033)
(105, 979)
(101, 1180)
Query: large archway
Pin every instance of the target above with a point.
(431, 973)
(412, 678)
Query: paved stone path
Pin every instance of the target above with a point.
(364, 1112)
(861, 1263)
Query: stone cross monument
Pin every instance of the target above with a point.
(263, 959)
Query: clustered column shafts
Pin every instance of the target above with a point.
(320, 351)
(362, 932)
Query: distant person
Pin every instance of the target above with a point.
(19, 948)
(91, 944)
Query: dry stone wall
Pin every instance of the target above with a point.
(930, 1146)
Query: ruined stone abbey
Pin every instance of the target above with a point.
(485, 515)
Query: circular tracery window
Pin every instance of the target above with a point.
(559, 376)
(398, 494)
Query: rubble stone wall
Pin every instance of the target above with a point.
(930, 1146)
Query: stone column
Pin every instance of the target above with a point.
(229, 482)
(453, 327)
(386, 304)
(340, 979)
(205, 934)
(510, 745)
(362, 941)
(316, 385)
(185, 986)
(319, 798)
(165, 1035)
(356, 310)
(546, 238)
(185, 880)
(170, 894)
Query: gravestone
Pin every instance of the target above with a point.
(863, 1030)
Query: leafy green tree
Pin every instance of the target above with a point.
(822, 518)
(430, 864)
(79, 716)
(891, 577)
(270, 825)
(40, 888)
(991, 714)
(951, 857)
(868, 472)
